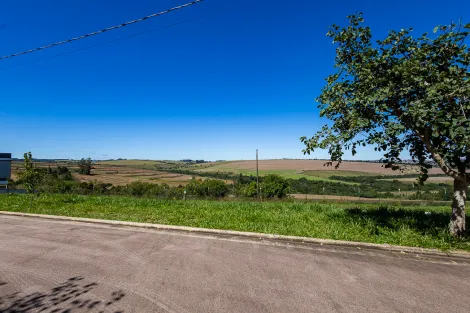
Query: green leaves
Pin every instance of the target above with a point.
(85, 166)
(31, 176)
(400, 93)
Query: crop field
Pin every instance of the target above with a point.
(128, 174)
(176, 173)
(120, 172)
(310, 169)
(286, 173)
(439, 179)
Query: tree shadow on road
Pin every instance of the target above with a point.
(68, 297)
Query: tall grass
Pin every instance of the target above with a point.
(410, 226)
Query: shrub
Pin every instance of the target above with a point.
(274, 186)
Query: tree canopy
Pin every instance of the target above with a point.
(85, 166)
(402, 93)
(398, 93)
(31, 176)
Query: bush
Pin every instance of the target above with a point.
(274, 186)
(215, 188)
(248, 190)
(207, 188)
(139, 189)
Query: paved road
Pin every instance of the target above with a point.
(53, 266)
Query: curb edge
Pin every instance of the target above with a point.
(320, 241)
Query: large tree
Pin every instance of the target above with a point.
(401, 94)
(85, 166)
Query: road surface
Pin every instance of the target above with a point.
(67, 267)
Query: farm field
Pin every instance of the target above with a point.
(378, 223)
(178, 173)
(286, 173)
(439, 179)
(313, 169)
(120, 172)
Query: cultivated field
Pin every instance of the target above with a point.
(313, 169)
(439, 179)
(120, 172)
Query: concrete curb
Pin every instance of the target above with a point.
(295, 239)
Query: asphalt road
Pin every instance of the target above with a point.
(57, 266)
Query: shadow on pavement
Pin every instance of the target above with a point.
(67, 297)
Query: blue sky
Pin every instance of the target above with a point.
(235, 76)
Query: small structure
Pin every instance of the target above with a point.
(5, 169)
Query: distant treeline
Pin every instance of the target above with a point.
(193, 161)
(379, 186)
(60, 180)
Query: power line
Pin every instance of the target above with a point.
(107, 42)
(101, 31)
(100, 44)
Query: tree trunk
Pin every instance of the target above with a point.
(457, 221)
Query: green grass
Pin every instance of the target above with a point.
(408, 226)
(328, 174)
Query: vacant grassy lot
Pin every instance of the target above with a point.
(409, 226)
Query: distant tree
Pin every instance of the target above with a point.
(85, 166)
(274, 186)
(403, 93)
(31, 176)
(215, 188)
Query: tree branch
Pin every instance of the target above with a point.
(440, 161)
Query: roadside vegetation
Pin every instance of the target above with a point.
(57, 192)
(59, 178)
(410, 226)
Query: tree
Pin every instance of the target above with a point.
(401, 94)
(215, 188)
(273, 185)
(32, 176)
(85, 166)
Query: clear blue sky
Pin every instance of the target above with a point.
(241, 77)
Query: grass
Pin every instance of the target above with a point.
(409, 226)
(328, 174)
